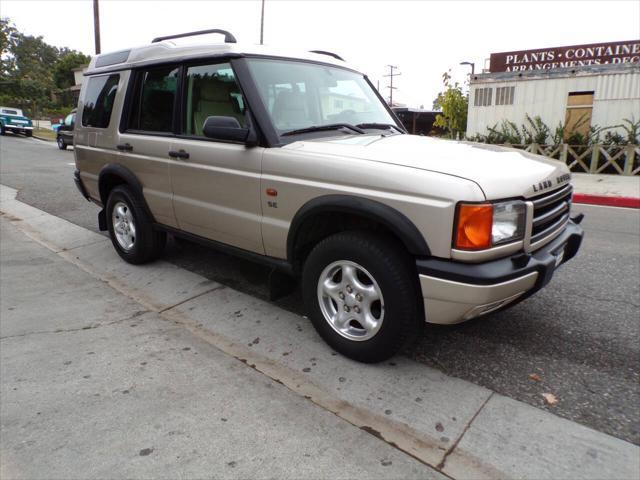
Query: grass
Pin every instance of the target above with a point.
(44, 133)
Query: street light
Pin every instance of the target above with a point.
(473, 66)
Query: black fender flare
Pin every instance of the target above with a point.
(388, 216)
(128, 178)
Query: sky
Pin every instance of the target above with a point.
(423, 38)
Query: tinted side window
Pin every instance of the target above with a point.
(98, 101)
(211, 91)
(153, 100)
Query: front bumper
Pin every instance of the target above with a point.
(454, 292)
(17, 128)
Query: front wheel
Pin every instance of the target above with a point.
(61, 144)
(29, 133)
(361, 295)
(131, 228)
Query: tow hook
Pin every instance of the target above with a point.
(578, 218)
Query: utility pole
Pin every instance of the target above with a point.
(391, 87)
(96, 25)
(262, 24)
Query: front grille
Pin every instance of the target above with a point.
(550, 212)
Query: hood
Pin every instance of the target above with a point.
(500, 172)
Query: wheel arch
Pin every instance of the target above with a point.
(353, 208)
(115, 174)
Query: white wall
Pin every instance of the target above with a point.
(616, 96)
(78, 75)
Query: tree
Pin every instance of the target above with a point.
(8, 38)
(62, 70)
(32, 72)
(454, 105)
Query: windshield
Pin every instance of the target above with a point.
(300, 95)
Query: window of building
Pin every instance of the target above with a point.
(483, 97)
(153, 100)
(98, 101)
(211, 91)
(504, 95)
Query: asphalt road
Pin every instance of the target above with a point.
(580, 335)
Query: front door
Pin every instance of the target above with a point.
(216, 185)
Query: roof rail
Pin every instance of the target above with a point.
(228, 37)
(323, 52)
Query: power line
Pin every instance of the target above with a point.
(391, 87)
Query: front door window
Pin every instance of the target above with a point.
(211, 91)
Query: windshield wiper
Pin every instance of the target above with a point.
(380, 126)
(319, 128)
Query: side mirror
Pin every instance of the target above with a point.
(225, 128)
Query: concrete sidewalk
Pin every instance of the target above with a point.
(607, 190)
(160, 356)
(94, 385)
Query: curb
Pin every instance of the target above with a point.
(607, 201)
(42, 138)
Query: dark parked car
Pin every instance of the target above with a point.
(65, 131)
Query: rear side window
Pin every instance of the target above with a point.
(98, 101)
(153, 100)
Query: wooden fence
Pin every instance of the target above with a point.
(614, 159)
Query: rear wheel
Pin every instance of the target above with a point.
(28, 133)
(2, 130)
(360, 293)
(61, 144)
(131, 228)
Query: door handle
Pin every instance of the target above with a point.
(179, 154)
(124, 147)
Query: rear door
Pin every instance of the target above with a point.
(216, 184)
(146, 135)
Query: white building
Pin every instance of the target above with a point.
(599, 91)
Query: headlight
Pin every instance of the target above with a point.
(485, 225)
(508, 222)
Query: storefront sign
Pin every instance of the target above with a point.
(566, 57)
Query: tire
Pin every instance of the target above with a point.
(136, 241)
(2, 130)
(381, 265)
(61, 144)
(29, 133)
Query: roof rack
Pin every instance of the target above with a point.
(228, 37)
(323, 52)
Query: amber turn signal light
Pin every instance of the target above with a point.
(473, 230)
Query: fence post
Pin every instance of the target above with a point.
(563, 154)
(595, 156)
(628, 159)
